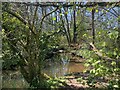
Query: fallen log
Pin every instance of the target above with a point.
(100, 54)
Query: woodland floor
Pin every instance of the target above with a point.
(75, 85)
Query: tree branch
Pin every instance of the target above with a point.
(16, 15)
(110, 12)
(46, 16)
(70, 5)
(20, 18)
(97, 52)
(115, 12)
(35, 13)
(54, 33)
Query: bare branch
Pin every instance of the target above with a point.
(110, 12)
(115, 12)
(46, 16)
(70, 5)
(35, 13)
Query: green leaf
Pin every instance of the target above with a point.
(114, 53)
(84, 35)
(113, 34)
(116, 69)
(89, 9)
(87, 64)
(54, 18)
(96, 11)
(61, 14)
(115, 86)
(113, 63)
(96, 73)
(118, 18)
(92, 71)
(104, 44)
(66, 12)
(99, 33)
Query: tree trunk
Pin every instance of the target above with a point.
(68, 28)
(93, 27)
(63, 25)
(118, 40)
(74, 27)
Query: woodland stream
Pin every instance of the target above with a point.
(60, 66)
(63, 67)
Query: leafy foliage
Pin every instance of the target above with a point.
(101, 67)
(32, 33)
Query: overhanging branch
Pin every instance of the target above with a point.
(20, 18)
(70, 5)
(16, 15)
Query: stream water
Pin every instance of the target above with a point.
(57, 67)
(63, 66)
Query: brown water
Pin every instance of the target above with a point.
(58, 68)
(63, 66)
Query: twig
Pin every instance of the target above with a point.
(34, 16)
(46, 16)
(70, 5)
(110, 12)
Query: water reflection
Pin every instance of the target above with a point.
(55, 68)
(63, 66)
